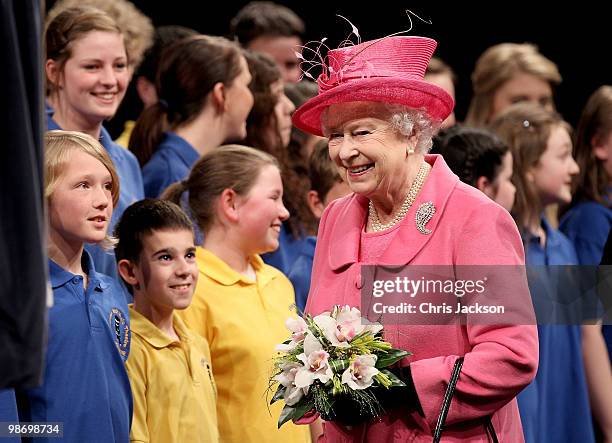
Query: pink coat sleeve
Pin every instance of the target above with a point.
(500, 360)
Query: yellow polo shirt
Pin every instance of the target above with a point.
(242, 321)
(174, 392)
(124, 139)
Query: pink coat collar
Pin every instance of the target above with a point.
(352, 213)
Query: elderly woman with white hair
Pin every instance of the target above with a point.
(408, 208)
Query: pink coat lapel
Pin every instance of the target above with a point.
(346, 232)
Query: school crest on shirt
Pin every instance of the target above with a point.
(120, 330)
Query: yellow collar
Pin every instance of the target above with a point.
(216, 269)
(144, 328)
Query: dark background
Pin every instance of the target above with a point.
(577, 38)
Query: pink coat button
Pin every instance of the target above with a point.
(358, 281)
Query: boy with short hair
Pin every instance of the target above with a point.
(169, 366)
(273, 29)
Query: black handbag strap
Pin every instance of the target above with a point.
(448, 397)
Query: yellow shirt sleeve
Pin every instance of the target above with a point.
(136, 368)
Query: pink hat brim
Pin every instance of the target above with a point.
(417, 94)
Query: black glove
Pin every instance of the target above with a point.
(400, 396)
(348, 412)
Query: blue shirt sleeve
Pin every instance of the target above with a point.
(587, 226)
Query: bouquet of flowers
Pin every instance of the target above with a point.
(335, 364)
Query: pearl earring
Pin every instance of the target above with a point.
(410, 150)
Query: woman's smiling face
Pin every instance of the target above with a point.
(368, 151)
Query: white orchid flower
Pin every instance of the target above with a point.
(298, 327)
(316, 365)
(293, 394)
(360, 372)
(341, 330)
(287, 377)
(348, 314)
(351, 317)
(329, 326)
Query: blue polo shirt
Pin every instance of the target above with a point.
(8, 412)
(555, 406)
(171, 162)
(85, 381)
(289, 249)
(131, 190)
(587, 225)
(300, 271)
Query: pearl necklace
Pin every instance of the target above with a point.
(416, 186)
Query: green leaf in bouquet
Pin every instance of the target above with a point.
(294, 412)
(338, 365)
(361, 335)
(390, 357)
(338, 386)
(362, 339)
(280, 392)
(286, 415)
(393, 379)
(315, 330)
(323, 403)
(368, 343)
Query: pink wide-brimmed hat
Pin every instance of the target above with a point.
(387, 70)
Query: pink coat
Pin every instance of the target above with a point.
(468, 229)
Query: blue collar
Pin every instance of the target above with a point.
(181, 147)
(552, 235)
(59, 276)
(105, 138)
